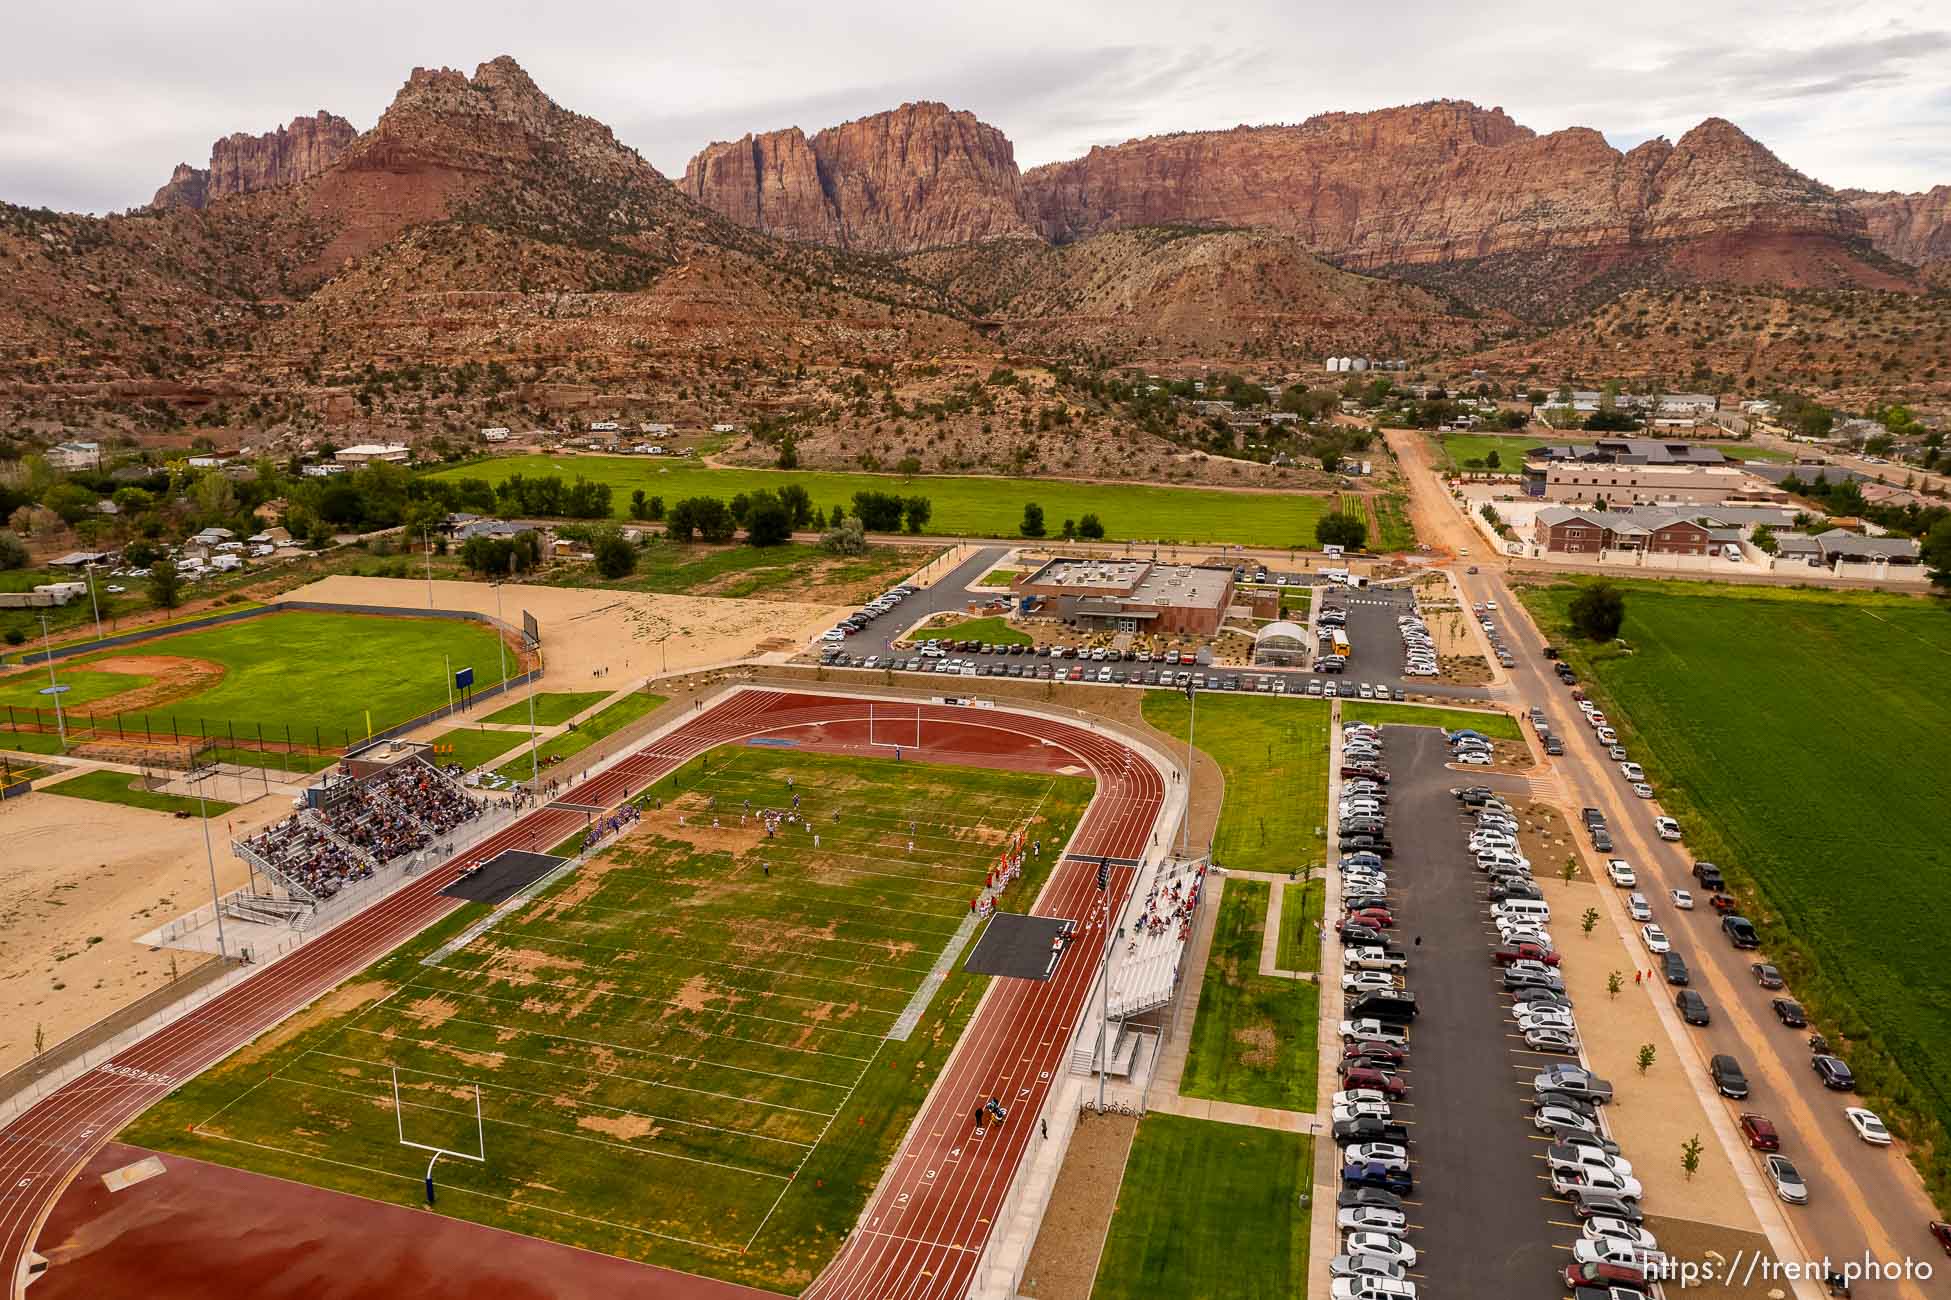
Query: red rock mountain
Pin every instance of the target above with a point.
(245, 164)
(921, 176)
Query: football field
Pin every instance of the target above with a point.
(689, 1050)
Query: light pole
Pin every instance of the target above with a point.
(447, 666)
(197, 779)
(53, 688)
(94, 604)
(427, 536)
(1192, 723)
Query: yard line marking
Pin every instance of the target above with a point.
(640, 997)
(593, 1105)
(906, 929)
(763, 970)
(746, 943)
(808, 1156)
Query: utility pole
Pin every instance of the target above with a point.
(209, 856)
(53, 688)
(93, 603)
(447, 666)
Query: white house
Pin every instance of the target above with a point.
(648, 427)
(496, 434)
(724, 428)
(327, 470)
(75, 455)
(602, 426)
(366, 453)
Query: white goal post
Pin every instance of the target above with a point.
(479, 1156)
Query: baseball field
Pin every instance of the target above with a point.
(683, 1048)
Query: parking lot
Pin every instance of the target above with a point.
(1483, 1211)
(1375, 645)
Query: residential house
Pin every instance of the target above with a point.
(367, 453)
(75, 455)
(1564, 530)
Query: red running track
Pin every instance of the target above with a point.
(926, 1225)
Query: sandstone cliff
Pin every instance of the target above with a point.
(1436, 182)
(1914, 228)
(921, 176)
(245, 164)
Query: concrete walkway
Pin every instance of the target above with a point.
(1276, 901)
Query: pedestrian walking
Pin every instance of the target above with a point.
(767, 868)
(1045, 1125)
(1419, 941)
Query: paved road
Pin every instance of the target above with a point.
(1862, 1198)
(1480, 1213)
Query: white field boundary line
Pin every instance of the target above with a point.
(770, 970)
(520, 898)
(800, 1167)
(465, 1191)
(473, 973)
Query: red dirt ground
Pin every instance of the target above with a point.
(285, 1241)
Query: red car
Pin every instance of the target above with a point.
(1760, 1132)
(1723, 903)
(1372, 916)
(1374, 1052)
(1366, 1076)
(1369, 770)
(1524, 952)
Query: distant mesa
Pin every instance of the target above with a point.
(245, 164)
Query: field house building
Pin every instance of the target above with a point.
(1568, 530)
(1132, 595)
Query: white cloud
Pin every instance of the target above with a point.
(104, 98)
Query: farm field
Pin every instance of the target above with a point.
(1822, 789)
(1498, 726)
(551, 708)
(1274, 757)
(963, 505)
(592, 729)
(1209, 1210)
(1254, 1039)
(795, 571)
(680, 1046)
(319, 674)
(117, 787)
(1392, 515)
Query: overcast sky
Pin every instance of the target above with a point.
(101, 99)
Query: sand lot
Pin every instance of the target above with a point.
(626, 634)
(79, 880)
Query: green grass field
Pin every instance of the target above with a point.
(1253, 1041)
(999, 577)
(318, 674)
(551, 708)
(1462, 448)
(742, 572)
(994, 631)
(681, 1056)
(1748, 451)
(1209, 1211)
(1392, 515)
(1797, 737)
(1498, 726)
(114, 787)
(1274, 757)
(1301, 905)
(22, 688)
(608, 722)
(966, 505)
(473, 746)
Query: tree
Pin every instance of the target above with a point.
(1032, 525)
(1646, 1057)
(910, 465)
(13, 552)
(1090, 526)
(615, 556)
(1598, 611)
(879, 512)
(769, 522)
(1070, 530)
(797, 500)
(165, 584)
(846, 537)
(918, 510)
(656, 510)
(71, 501)
(1764, 540)
(1330, 458)
(1614, 982)
(788, 452)
(705, 517)
(1341, 530)
(1588, 921)
(1936, 553)
(639, 505)
(1690, 1155)
(1493, 459)
(1570, 870)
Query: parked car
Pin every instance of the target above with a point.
(1760, 1132)
(1674, 968)
(1638, 908)
(1692, 1007)
(1620, 873)
(1729, 1081)
(1655, 939)
(1666, 828)
(1787, 1180)
(1371, 1218)
(1833, 1072)
(1740, 931)
(1683, 900)
(1766, 975)
(1789, 1012)
(1867, 1125)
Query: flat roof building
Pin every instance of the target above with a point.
(1133, 595)
(368, 452)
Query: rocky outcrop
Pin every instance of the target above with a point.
(1436, 182)
(1914, 228)
(245, 164)
(921, 176)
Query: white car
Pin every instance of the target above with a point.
(1643, 790)
(1601, 1180)
(1549, 1118)
(1615, 1250)
(1607, 736)
(1386, 1153)
(1633, 771)
(1381, 1245)
(1363, 981)
(1370, 1218)
(1529, 1018)
(1867, 1125)
(1621, 873)
(835, 635)
(1360, 1110)
(1472, 758)
(1594, 1158)
(1668, 828)
(1655, 939)
(1359, 1097)
(1683, 900)
(1375, 1031)
(1638, 908)
(1602, 1228)
(1548, 1038)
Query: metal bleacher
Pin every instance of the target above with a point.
(1145, 966)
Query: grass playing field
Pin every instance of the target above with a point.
(318, 674)
(1253, 1041)
(681, 1046)
(1498, 726)
(118, 787)
(1274, 757)
(794, 571)
(1209, 1211)
(1462, 448)
(993, 631)
(967, 505)
(1301, 905)
(606, 722)
(551, 708)
(1798, 738)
